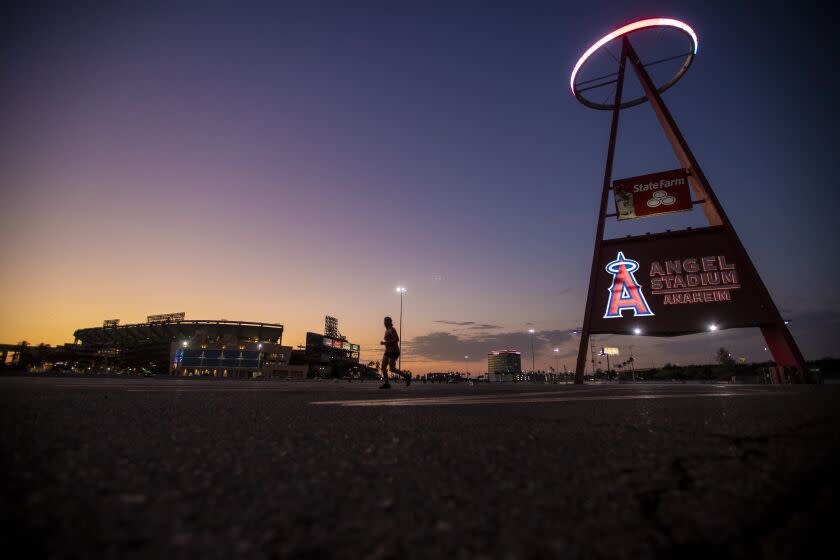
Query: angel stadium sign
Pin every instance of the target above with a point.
(694, 280)
(675, 283)
(166, 317)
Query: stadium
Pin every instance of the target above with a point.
(214, 348)
(171, 344)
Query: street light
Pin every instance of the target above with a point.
(713, 327)
(533, 357)
(637, 330)
(400, 290)
(557, 355)
(467, 364)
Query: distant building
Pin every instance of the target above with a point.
(326, 356)
(503, 362)
(10, 354)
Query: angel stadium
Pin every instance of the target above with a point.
(213, 348)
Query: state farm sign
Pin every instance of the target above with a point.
(651, 195)
(675, 283)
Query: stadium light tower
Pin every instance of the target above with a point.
(401, 290)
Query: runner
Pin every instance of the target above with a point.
(392, 354)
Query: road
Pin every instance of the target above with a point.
(135, 468)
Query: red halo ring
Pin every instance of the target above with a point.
(626, 30)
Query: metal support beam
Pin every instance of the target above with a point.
(779, 340)
(599, 232)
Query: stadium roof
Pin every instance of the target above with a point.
(156, 333)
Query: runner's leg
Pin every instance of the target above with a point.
(385, 359)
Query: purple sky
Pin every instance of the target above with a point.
(281, 161)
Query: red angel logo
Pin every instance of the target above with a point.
(625, 292)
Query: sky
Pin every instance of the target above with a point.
(281, 161)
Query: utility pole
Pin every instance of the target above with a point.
(533, 357)
(608, 366)
(401, 291)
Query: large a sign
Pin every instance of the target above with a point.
(670, 283)
(110, 322)
(609, 351)
(675, 283)
(166, 317)
(651, 195)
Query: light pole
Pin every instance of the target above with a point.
(557, 355)
(608, 364)
(467, 364)
(533, 358)
(401, 290)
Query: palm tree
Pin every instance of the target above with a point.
(22, 345)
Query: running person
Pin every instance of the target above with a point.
(392, 354)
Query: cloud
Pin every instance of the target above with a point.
(814, 330)
(450, 347)
(469, 325)
(816, 317)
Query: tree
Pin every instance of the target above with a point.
(724, 358)
(40, 353)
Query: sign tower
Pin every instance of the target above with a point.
(671, 283)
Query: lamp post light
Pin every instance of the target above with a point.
(533, 357)
(557, 355)
(401, 290)
(467, 364)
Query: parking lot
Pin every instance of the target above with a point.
(138, 467)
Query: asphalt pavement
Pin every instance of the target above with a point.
(139, 468)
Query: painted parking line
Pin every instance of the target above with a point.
(462, 397)
(518, 399)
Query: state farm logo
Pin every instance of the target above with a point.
(663, 183)
(653, 194)
(661, 198)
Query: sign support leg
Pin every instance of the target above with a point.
(780, 342)
(599, 232)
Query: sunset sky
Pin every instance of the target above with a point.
(281, 161)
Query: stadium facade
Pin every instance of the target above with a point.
(213, 348)
(217, 348)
